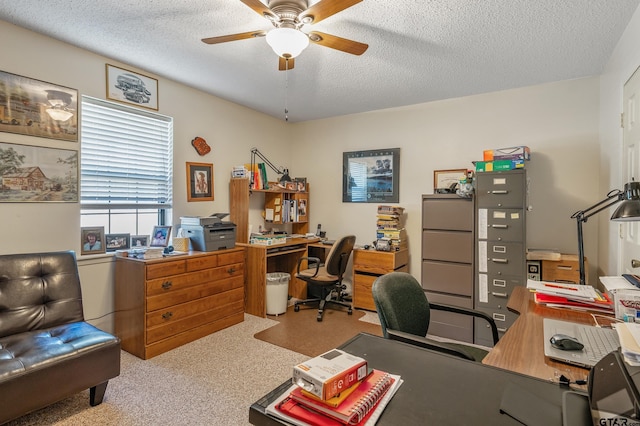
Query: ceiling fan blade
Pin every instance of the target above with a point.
(259, 7)
(234, 37)
(325, 8)
(285, 64)
(338, 43)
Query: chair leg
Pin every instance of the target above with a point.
(96, 393)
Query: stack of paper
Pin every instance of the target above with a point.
(573, 296)
(629, 336)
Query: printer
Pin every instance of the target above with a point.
(209, 233)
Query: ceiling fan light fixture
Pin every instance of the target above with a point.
(287, 42)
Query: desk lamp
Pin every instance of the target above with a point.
(283, 171)
(628, 211)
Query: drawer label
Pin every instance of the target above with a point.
(483, 288)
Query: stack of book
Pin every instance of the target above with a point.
(390, 226)
(258, 175)
(572, 296)
(356, 395)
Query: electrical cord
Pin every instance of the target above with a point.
(565, 381)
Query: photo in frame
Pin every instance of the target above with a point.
(92, 240)
(448, 179)
(117, 241)
(301, 184)
(371, 176)
(160, 236)
(139, 241)
(199, 182)
(132, 88)
(37, 108)
(36, 174)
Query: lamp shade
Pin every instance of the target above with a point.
(629, 209)
(287, 42)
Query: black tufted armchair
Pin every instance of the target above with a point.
(47, 351)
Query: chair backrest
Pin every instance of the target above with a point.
(338, 257)
(401, 303)
(38, 291)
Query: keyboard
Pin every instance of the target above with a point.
(598, 342)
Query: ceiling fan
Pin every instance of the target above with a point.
(288, 17)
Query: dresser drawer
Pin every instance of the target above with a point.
(362, 297)
(193, 292)
(179, 318)
(177, 282)
(450, 246)
(163, 269)
(565, 270)
(379, 262)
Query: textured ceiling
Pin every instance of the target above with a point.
(419, 50)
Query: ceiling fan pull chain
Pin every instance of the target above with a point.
(286, 91)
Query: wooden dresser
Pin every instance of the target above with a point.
(369, 265)
(161, 304)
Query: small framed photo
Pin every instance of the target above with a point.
(139, 241)
(117, 241)
(92, 240)
(446, 178)
(301, 184)
(290, 186)
(132, 88)
(199, 182)
(160, 236)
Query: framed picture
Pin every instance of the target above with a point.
(160, 236)
(139, 241)
(132, 88)
(37, 108)
(117, 241)
(37, 174)
(290, 186)
(301, 184)
(445, 178)
(92, 240)
(371, 176)
(199, 182)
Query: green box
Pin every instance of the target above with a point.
(498, 165)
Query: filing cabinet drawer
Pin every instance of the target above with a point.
(500, 258)
(449, 324)
(447, 213)
(454, 278)
(501, 224)
(493, 292)
(503, 318)
(506, 189)
(450, 246)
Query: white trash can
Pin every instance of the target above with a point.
(277, 292)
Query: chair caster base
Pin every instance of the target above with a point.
(319, 317)
(350, 311)
(296, 308)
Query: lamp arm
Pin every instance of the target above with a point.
(581, 216)
(255, 152)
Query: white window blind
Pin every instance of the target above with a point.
(126, 157)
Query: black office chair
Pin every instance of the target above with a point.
(404, 313)
(327, 278)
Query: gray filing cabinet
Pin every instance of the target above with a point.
(500, 247)
(448, 261)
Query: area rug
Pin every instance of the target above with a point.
(302, 333)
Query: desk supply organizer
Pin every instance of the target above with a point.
(268, 240)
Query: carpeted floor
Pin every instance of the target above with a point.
(302, 333)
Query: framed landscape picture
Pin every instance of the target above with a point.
(37, 108)
(117, 241)
(371, 176)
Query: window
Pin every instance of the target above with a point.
(125, 167)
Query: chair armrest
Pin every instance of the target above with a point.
(311, 262)
(472, 312)
(426, 343)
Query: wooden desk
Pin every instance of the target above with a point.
(521, 348)
(277, 258)
(440, 389)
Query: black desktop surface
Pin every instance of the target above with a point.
(445, 390)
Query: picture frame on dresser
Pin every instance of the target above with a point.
(160, 236)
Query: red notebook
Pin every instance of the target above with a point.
(293, 409)
(357, 405)
(543, 298)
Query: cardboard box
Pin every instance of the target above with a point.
(498, 165)
(511, 153)
(328, 374)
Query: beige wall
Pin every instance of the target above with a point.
(557, 121)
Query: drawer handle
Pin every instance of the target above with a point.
(499, 317)
(493, 293)
(499, 192)
(167, 285)
(500, 283)
(499, 260)
(502, 330)
(167, 315)
(564, 268)
(499, 226)
(231, 270)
